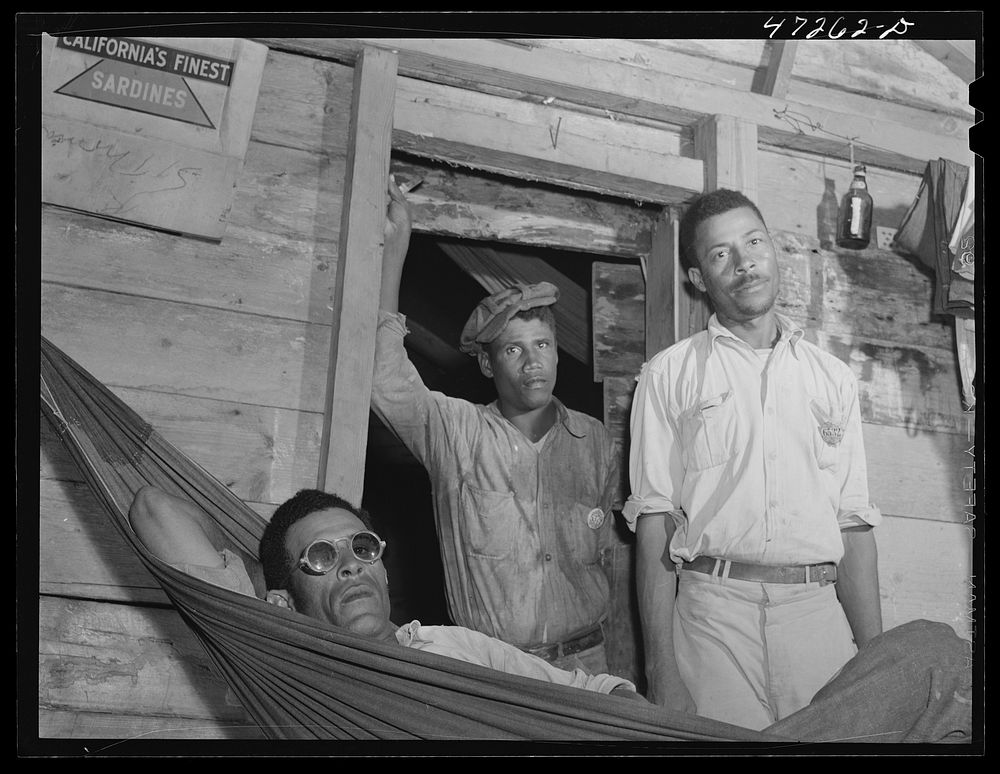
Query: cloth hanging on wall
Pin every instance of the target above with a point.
(928, 227)
(962, 247)
(938, 230)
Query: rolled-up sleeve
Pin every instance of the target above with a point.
(854, 509)
(656, 470)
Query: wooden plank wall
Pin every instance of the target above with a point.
(224, 348)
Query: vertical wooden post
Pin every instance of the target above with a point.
(728, 148)
(661, 328)
(359, 274)
(779, 69)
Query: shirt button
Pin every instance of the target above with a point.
(548, 557)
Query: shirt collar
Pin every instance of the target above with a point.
(407, 633)
(790, 332)
(574, 425)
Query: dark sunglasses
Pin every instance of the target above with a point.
(321, 556)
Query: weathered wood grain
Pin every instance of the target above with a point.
(792, 185)
(925, 571)
(262, 454)
(463, 203)
(889, 79)
(662, 278)
(511, 136)
(619, 319)
(359, 274)
(126, 729)
(187, 349)
(82, 554)
(278, 257)
(303, 103)
(137, 663)
(538, 142)
(623, 88)
(779, 68)
(728, 147)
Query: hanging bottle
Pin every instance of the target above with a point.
(827, 217)
(856, 213)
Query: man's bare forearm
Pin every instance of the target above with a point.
(657, 588)
(172, 528)
(857, 584)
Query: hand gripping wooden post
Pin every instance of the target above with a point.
(359, 274)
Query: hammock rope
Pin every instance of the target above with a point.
(297, 677)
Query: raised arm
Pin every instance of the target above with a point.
(656, 581)
(397, 242)
(172, 528)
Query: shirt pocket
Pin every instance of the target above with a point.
(829, 426)
(490, 520)
(582, 530)
(710, 433)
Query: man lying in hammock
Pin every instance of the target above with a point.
(321, 557)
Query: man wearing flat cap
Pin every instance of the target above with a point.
(522, 487)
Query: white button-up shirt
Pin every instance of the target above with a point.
(756, 454)
(477, 648)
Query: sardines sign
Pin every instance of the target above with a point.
(147, 77)
(148, 130)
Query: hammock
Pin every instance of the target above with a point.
(299, 678)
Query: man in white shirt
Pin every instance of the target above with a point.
(756, 563)
(321, 557)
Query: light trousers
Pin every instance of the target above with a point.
(753, 653)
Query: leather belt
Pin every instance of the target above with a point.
(762, 573)
(581, 642)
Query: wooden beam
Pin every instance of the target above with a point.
(541, 142)
(661, 279)
(499, 269)
(728, 147)
(619, 322)
(625, 89)
(779, 69)
(359, 273)
(471, 205)
(959, 56)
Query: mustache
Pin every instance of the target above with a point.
(750, 279)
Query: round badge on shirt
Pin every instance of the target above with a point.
(832, 433)
(595, 519)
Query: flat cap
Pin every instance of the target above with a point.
(489, 319)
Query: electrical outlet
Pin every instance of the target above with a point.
(885, 237)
